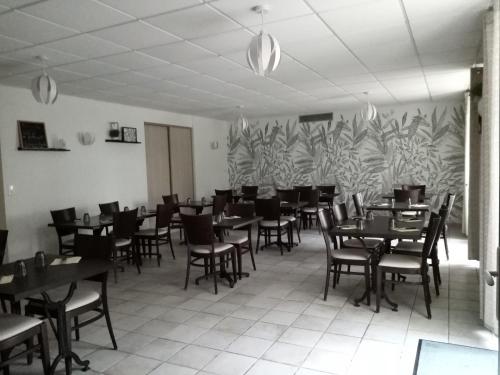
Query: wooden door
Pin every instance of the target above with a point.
(181, 162)
(157, 162)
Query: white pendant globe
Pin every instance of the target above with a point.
(263, 54)
(44, 89)
(369, 112)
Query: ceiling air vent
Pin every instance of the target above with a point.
(317, 117)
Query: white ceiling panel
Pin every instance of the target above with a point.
(10, 67)
(178, 52)
(132, 60)
(30, 29)
(86, 46)
(54, 57)
(16, 3)
(91, 68)
(226, 43)
(144, 8)
(415, 83)
(9, 44)
(211, 65)
(136, 35)
(280, 9)
(93, 83)
(388, 56)
(291, 71)
(82, 15)
(130, 78)
(325, 5)
(208, 21)
(359, 88)
(445, 57)
(167, 71)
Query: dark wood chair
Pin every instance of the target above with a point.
(301, 188)
(272, 225)
(218, 205)
(249, 193)
(65, 236)
(407, 265)
(415, 249)
(201, 244)
(402, 196)
(228, 193)
(110, 208)
(310, 211)
(238, 238)
(176, 222)
(450, 200)
(335, 258)
(293, 214)
(16, 330)
(328, 190)
(124, 229)
(358, 204)
(160, 234)
(420, 188)
(86, 299)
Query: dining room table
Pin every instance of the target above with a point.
(397, 207)
(386, 228)
(389, 196)
(38, 280)
(197, 205)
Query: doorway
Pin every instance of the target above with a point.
(169, 161)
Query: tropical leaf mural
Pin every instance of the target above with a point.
(420, 146)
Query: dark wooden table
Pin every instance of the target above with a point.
(324, 197)
(198, 206)
(379, 227)
(292, 206)
(390, 196)
(41, 280)
(398, 206)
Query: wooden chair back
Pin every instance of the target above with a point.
(421, 188)
(250, 192)
(96, 247)
(268, 208)
(164, 214)
(326, 189)
(3, 244)
(219, 204)
(172, 199)
(227, 193)
(109, 208)
(326, 222)
(65, 215)
(358, 204)
(402, 196)
(289, 196)
(430, 237)
(340, 213)
(199, 229)
(125, 223)
(241, 209)
(302, 189)
(450, 200)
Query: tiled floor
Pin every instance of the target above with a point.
(275, 321)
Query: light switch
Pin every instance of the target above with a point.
(11, 190)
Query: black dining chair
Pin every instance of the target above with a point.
(201, 244)
(228, 193)
(124, 229)
(302, 187)
(335, 258)
(110, 208)
(249, 193)
(65, 236)
(357, 198)
(160, 234)
(241, 238)
(409, 265)
(291, 214)
(272, 225)
(310, 211)
(176, 222)
(16, 330)
(420, 188)
(327, 195)
(402, 196)
(218, 205)
(86, 298)
(450, 200)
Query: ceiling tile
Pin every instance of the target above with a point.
(388, 56)
(207, 20)
(130, 78)
(58, 75)
(226, 43)
(19, 80)
(167, 71)
(30, 29)
(10, 67)
(324, 5)
(150, 7)
(54, 57)
(16, 3)
(132, 60)
(218, 65)
(136, 35)
(9, 44)
(410, 84)
(93, 84)
(445, 57)
(91, 68)
(241, 10)
(178, 52)
(86, 46)
(359, 88)
(81, 15)
(290, 71)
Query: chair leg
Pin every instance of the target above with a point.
(115, 264)
(250, 250)
(105, 309)
(187, 270)
(258, 241)
(367, 283)
(212, 269)
(30, 343)
(427, 294)
(205, 266)
(169, 238)
(236, 258)
(445, 239)
(327, 281)
(158, 255)
(297, 230)
(238, 252)
(435, 274)
(43, 340)
(278, 233)
(77, 330)
(137, 256)
(379, 289)
(335, 271)
(393, 278)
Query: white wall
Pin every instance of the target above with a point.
(87, 175)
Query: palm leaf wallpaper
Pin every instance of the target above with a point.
(415, 146)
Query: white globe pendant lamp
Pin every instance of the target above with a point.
(241, 121)
(43, 87)
(263, 54)
(369, 111)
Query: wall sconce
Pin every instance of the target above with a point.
(214, 145)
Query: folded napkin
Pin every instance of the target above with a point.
(347, 226)
(6, 279)
(69, 260)
(407, 229)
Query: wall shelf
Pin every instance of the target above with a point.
(120, 141)
(42, 149)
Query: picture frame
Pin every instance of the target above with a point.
(32, 135)
(129, 134)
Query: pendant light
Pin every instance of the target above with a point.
(241, 121)
(369, 111)
(43, 87)
(263, 54)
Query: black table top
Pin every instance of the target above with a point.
(96, 222)
(292, 205)
(235, 223)
(398, 206)
(195, 204)
(391, 196)
(326, 196)
(50, 277)
(379, 228)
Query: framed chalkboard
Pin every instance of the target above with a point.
(32, 135)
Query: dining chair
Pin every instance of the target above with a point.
(124, 229)
(249, 193)
(238, 238)
(310, 211)
(409, 265)
(272, 225)
(420, 188)
(16, 330)
(402, 196)
(302, 187)
(228, 193)
(176, 222)
(160, 234)
(357, 198)
(90, 296)
(292, 214)
(327, 190)
(201, 244)
(450, 200)
(218, 205)
(415, 249)
(65, 236)
(335, 258)
(110, 208)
